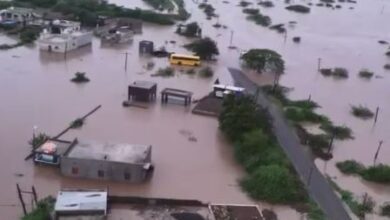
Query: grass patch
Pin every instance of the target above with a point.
(298, 8)
(350, 167)
(303, 115)
(379, 174)
(161, 4)
(78, 123)
(365, 73)
(42, 211)
(359, 208)
(206, 72)
(164, 72)
(339, 132)
(385, 210)
(362, 112)
(315, 213)
(80, 78)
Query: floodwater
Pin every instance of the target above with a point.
(35, 90)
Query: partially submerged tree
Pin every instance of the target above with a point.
(189, 30)
(205, 48)
(80, 78)
(362, 112)
(298, 8)
(264, 60)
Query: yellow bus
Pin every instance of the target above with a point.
(181, 59)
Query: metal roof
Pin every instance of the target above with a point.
(81, 201)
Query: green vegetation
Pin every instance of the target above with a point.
(206, 72)
(42, 211)
(38, 140)
(364, 73)
(296, 39)
(244, 3)
(385, 210)
(303, 115)
(260, 19)
(78, 123)
(362, 112)
(205, 48)
(5, 4)
(388, 53)
(264, 60)
(339, 132)
(165, 72)
(266, 4)
(336, 72)
(251, 11)
(378, 173)
(161, 4)
(190, 30)
(387, 66)
(357, 207)
(298, 8)
(315, 213)
(270, 175)
(80, 78)
(279, 28)
(87, 11)
(208, 9)
(350, 167)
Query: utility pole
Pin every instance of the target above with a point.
(377, 151)
(376, 114)
(231, 40)
(126, 54)
(319, 64)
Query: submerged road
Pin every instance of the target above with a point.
(316, 184)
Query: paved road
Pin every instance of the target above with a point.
(318, 187)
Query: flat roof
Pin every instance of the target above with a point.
(125, 153)
(143, 84)
(171, 91)
(81, 201)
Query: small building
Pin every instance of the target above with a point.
(81, 204)
(107, 161)
(176, 94)
(51, 151)
(142, 91)
(118, 35)
(146, 47)
(62, 36)
(224, 85)
(17, 15)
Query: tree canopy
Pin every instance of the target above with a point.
(264, 60)
(206, 48)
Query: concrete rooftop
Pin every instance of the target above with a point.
(126, 153)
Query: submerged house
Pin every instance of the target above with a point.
(118, 35)
(94, 160)
(17, 15)
(62, 36)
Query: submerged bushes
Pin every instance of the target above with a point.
(337, 72)
(362, 112)
(378, 173)
(298, 8)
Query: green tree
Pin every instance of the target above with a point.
(206, 48)
(264, 60)
(274, 184)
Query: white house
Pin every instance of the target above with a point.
(63, 36)
(18, 15)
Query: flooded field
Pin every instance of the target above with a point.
(35, 91)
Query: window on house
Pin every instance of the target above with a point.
(127, 176)
(100, 173)
(75, 170)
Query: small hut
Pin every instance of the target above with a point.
(144, 91)
(146, 47)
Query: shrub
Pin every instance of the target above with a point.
(303, 115)
(379, 173)
(28, 36)
(274, 184)
(364, 73)
(260, 19)
(78, 123)
(42, 211)
(350, 167)
(298, 8)
(362, 112)
(165, 72)
(387, 53)
(80, 78)
(266, 4)
(244, 3)
(326, 71)
(385, 210)
(318, 141)
(339, 132)
(306, 104)
(315, 212)
(340, 72)
(296, 39)
(387, 66)
(251, 11)
(279, 28)
(191, 72)
(38, 140)
(206, 72)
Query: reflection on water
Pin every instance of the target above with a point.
(35, 90)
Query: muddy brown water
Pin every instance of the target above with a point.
(35, 90)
